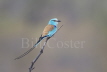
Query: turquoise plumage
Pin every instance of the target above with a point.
(48, 31)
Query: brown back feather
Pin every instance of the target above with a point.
(47, 29)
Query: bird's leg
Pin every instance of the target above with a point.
(41, 51)
(48, 38)
(40, 37)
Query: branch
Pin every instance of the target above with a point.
(41, 51)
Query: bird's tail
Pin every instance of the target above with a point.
(40, 39)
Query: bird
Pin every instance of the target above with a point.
(48, 32)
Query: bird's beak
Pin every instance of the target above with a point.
(58, 21)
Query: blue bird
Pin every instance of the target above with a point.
(48, 32)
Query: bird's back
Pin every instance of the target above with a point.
(47, 29)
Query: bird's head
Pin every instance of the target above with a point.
(54, 21)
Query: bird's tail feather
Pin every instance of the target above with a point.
(40, 39)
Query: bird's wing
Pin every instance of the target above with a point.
(47, 29)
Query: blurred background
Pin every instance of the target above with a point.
(83, 20)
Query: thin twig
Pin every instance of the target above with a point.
(31, 67)
(33, 62)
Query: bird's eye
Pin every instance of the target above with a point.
(54, 20)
